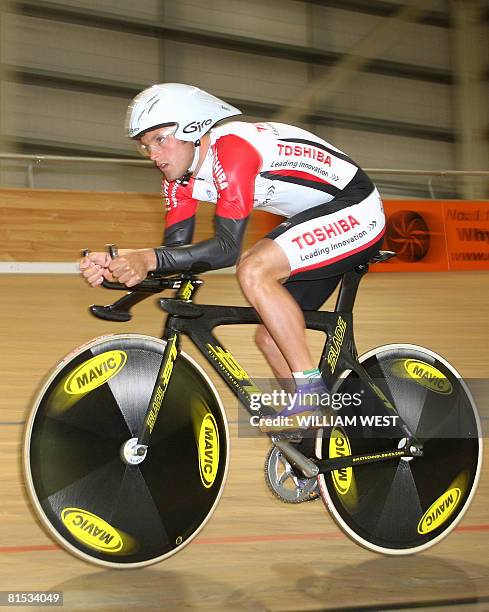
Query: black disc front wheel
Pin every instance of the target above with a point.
(404, 505)
(91, 500)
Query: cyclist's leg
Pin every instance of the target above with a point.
(324, 241)
(309, 295)
(261, 273)
(307, 389)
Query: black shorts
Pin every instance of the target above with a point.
(311, 293)
(324, 242)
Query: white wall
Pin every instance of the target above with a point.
(284, 21)
(65, 117)
(83, 50)
(61, 117)
(414, 43)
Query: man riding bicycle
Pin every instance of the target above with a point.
(334, 215)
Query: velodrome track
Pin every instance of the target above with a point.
(256, 553)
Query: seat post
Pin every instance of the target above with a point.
(349, 287)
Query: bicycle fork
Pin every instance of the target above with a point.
(134, 450)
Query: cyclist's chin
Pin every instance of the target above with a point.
(170, 174)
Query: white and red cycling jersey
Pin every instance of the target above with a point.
(282, 169)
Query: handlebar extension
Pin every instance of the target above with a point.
(154, 283)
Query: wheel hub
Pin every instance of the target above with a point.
(133, 453)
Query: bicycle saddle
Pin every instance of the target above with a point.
(382, 256)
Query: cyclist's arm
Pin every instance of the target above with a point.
(132, 266)
(180, 233)
(236, 165)
(180, 216)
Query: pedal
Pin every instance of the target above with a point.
(284, 482)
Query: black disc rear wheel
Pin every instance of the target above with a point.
(95, 504)
(405, 505)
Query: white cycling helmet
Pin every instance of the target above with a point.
(192, 109)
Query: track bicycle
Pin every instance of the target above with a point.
(127, 446)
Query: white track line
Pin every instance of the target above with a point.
(61, 267)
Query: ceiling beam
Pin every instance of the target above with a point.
(382, 9)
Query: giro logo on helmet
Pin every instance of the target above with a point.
(196, 126)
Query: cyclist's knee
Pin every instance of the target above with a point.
(251, 272)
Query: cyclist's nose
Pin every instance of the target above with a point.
(154, 153)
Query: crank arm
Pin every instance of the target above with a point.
(296, 458)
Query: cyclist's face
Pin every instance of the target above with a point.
(171, 156)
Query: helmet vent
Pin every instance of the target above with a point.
(152, 106)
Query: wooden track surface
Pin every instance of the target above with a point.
(256, 553)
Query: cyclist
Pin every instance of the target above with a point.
(334, 214)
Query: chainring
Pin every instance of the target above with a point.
(283, 481)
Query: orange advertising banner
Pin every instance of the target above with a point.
(436, 235)
(467, 231)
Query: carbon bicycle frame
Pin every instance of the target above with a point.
(197, 321)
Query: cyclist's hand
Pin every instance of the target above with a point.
(132, 267)
(95, 267)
